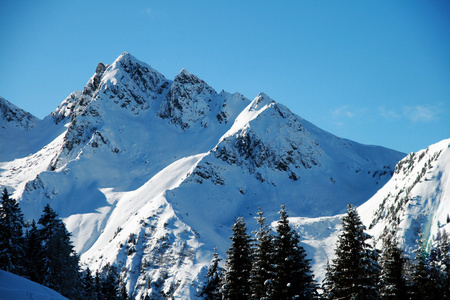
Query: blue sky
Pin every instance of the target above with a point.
(377, 72)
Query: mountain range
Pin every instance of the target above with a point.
(149, 174)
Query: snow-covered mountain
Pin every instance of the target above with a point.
(416, 201)
(414, 204)
(149, 173)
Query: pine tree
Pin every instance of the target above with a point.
(88, 285)
(444, 250)
(392, 279)
(327, 283)
(110, 283)
(98, 285)
(236, 284)
(421, 284)
(59, 263)
(355, 269)
(293, 277)
(11, 235)
(211, 289)
(33, 251)
(262, 269)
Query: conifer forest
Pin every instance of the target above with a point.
(268, 263)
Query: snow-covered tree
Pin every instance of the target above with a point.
(354, 270)
(262, 269)
(211, 289)
(58, 263)
(236, 283)
(11, 235)
(293, 277)
(392, 278)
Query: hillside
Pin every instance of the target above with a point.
(149, 173)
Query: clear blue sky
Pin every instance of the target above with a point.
(377, 72)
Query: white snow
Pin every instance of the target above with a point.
(149, 174)
(13, 287)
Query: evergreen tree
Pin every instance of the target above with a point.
(33, 251)
(88, 285)
(421, 285)
(98, 285)
(354, 271)
(11, 235)
(327, 283)
(293, 277)
(59, 263)
(392, 279)
(110, 284)
(444, 248)
(262, 269)
(211, 290)
(236, 283)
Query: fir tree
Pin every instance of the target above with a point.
(59, 263)
(88, 285)
(110, 284)
(98, 285)
(444, 248)
(11, 235)
(33, 252)
(293, 277)
(262, 269)
(211, 290)
(327, 283)
(239, 263)
(355, 270)
(421, 286)
(392, 278)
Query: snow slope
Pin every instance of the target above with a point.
(13, 287)
(416, 201)
(149, 173)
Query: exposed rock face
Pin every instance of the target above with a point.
(149, 173)
(14, 116)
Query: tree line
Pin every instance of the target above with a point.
(265, 266)
(43, 252)
(274, 266)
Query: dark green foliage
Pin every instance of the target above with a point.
(327, 283)
(236, 283)
(88, 285)
(421, 285)
(109, 285)
(293, 277)
(262, 270)
(354, 271)
(392, 278)
(33, 251)
(11, 235)
(58, 263)
(211, 290)
(444, 263)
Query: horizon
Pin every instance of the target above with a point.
(375, 73)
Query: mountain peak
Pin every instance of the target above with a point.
(186, 77)
(12, 114)
(261, 101)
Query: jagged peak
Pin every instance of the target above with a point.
(186, 77)
(11, 113)
(129, 63)
(261, 101)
